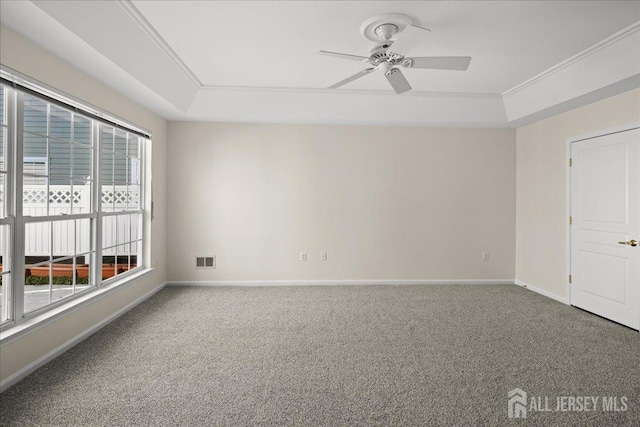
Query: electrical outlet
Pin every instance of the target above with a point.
(486, 256)
(303, 256)
(323, 256)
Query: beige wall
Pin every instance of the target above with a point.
(23, 56)
(541, 214)
(384, 202)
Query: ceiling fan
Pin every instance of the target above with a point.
(395, 36)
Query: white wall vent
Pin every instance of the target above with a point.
(206, 261)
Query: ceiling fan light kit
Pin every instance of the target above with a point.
(395, 35)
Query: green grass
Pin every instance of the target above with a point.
(62, 280)
(39, 281)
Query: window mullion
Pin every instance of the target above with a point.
(54, 218)
(96, 231)
(18, 253)
(10, 214)
(142, 197)
(51, 257)
(48, 158)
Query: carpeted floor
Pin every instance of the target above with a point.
(336, 356)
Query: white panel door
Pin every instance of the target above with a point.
(605, 206)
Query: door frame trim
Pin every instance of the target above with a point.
(568, 142)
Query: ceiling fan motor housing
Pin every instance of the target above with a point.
(379, 53)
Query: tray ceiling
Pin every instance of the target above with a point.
(255, 61)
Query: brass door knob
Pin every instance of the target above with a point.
(631, 242)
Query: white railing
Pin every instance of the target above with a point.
(67, 199)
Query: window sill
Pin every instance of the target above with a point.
(31, 324)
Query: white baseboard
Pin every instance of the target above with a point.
(543, 292)
(22, 373)
(340, 282)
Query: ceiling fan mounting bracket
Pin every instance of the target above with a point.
(384, 27)
(386, 31)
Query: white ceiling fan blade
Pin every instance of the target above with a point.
(438, 62)
(352, 78)
(408, 38)
(397, 81)
(343, 55)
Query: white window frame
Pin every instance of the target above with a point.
(15, 219)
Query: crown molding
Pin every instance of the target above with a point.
(323, 91)
(625, 32)
(151, 32)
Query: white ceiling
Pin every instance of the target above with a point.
(267, 45)
(255, 61)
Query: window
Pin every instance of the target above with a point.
(122, 214)
(71, 202)
(6, 221)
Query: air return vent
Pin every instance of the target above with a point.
(206, 261)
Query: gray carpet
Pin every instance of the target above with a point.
(335, 356)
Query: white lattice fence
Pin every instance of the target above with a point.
(121, 196)
(70, 236)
